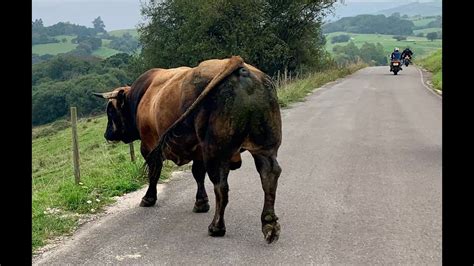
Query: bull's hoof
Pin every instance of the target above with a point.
(201, 206)
(216, 231)
(271, 232)
(147, 202)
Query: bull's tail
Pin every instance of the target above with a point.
(156, 157)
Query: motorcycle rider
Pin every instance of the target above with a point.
(395, 56)
(406, 52)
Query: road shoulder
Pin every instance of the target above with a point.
(426, 77)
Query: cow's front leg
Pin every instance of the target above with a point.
(218, 172)
(202, 201)
(269, 170)
(154, 171)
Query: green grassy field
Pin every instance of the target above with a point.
(427, 30)
(118, 33)
(104, 52)
(106, 169)
(422, 22)
(419, 45)
(433, 63)
(53, 48)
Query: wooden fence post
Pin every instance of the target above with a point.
(132, 152)
(75, 146)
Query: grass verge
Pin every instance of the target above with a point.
(433, 63)
(298, 89)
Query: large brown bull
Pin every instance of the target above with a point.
(208, 114)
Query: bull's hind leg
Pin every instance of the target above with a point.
(202, 201)
(218, 171)
(153, 175)
(269, 170)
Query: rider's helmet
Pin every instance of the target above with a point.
(396, 49)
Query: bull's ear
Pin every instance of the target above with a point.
(121, 97)
(106, 95)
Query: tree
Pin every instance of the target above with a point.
(437, 23)
(99, 25)
(37, 24)
(373, 54)
(431, 36)
(125, 43)
(340, 38)
(395, 15)
(399, 38)
(271, 35)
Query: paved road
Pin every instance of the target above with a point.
(361, 184)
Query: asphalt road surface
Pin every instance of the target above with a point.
(361, 184)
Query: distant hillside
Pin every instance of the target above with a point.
(351, 9)
(379, 24)
(412, 9)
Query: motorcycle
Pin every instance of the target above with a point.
(395, 66)
(407, 60)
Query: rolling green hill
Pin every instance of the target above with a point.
(416, 8)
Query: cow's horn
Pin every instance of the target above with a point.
(106, 95)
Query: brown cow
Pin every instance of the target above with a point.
(208, 114)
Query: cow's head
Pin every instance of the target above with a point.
(119, 125)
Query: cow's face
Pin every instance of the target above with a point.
(117, 115)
